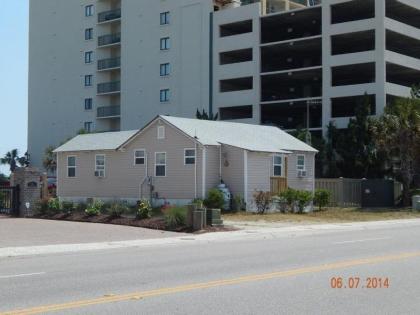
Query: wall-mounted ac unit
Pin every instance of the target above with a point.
(302, 174)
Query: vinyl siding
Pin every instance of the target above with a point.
(213, 167)
(259, 173)
(293, 180)
(233, 169)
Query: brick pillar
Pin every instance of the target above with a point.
(31, 182)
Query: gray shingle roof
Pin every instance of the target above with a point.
(97, 141)
(250, 137)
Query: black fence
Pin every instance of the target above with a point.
(9, 200)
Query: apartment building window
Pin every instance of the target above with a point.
(189, 156)
(139, 157)
(165, 95)
(88, 80)
(164, 18)
(100, 165)
(277, 165)
(160, 164)
(89, 10)
(88, 33)
(165, 43)
(71, 166)
(88, 126)
(89, 57)
(165, 69)
(88, 104)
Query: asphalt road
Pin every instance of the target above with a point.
(285, 275)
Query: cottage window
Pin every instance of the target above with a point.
(71, 166)
(160, 164)
(301, 163)
(139, 157)
(189, 156)
(161, 132)
(277, 165)
(100, 165)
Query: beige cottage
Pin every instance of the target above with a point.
(177, 159)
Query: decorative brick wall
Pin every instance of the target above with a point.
(31, 182)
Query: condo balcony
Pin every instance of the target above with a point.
(109, 16)
(108, 112)
(109, 39)
(109, 88)
(109, 64)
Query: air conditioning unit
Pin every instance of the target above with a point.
(302, 174)
(99, 174)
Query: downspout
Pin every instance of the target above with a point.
(220, 163)
(195, 172)
(204, 173)
(211, 65)
(246, 177)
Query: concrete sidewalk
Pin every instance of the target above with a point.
(18, 232)
(220, 237)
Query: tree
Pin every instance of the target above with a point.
(11, 158)
(204, 116)
(356, 146)
(3, 178)
(330, 161)
(50, 159)
(398, 135)
(25, 160)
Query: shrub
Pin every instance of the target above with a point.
(215, 199)
(41, 207)
(175, 217)
(94, 208)
(263, 200)
(304, 198)
(322, 198)
(80, 207)
(53, 206)
(198, 202)
(238, 203)
(144, 210)
(66, 206)
(117, 209)
(289, 196)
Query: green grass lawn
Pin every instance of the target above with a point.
(329, 215)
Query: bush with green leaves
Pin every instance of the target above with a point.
(66, 206)
(322, 198)
(94, 208)
(215, 199)
(304, 198)
(290, 197)
(175, 217)
(80, 207)
(238, 203)
(41, 207)
(263, 200)
(117, 209)
(198, 202)
(144, 210)
(53, 206)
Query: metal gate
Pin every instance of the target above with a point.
(9, 200)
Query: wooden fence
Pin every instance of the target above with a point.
(278, 185)
(345, 192)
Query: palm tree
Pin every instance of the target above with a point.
(205, 116)
(11, 158)
(50, 159)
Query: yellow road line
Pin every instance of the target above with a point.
(211, 284)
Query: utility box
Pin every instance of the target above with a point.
(214, 217)
(377, 193)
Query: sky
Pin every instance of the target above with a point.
(14, 20)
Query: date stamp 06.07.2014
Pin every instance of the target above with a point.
(359, 283)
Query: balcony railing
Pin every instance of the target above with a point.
(109, 63)
(109, 87)
(109, 15)
(108, 111)
(109, 39)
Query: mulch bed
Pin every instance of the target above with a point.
(154, 223)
